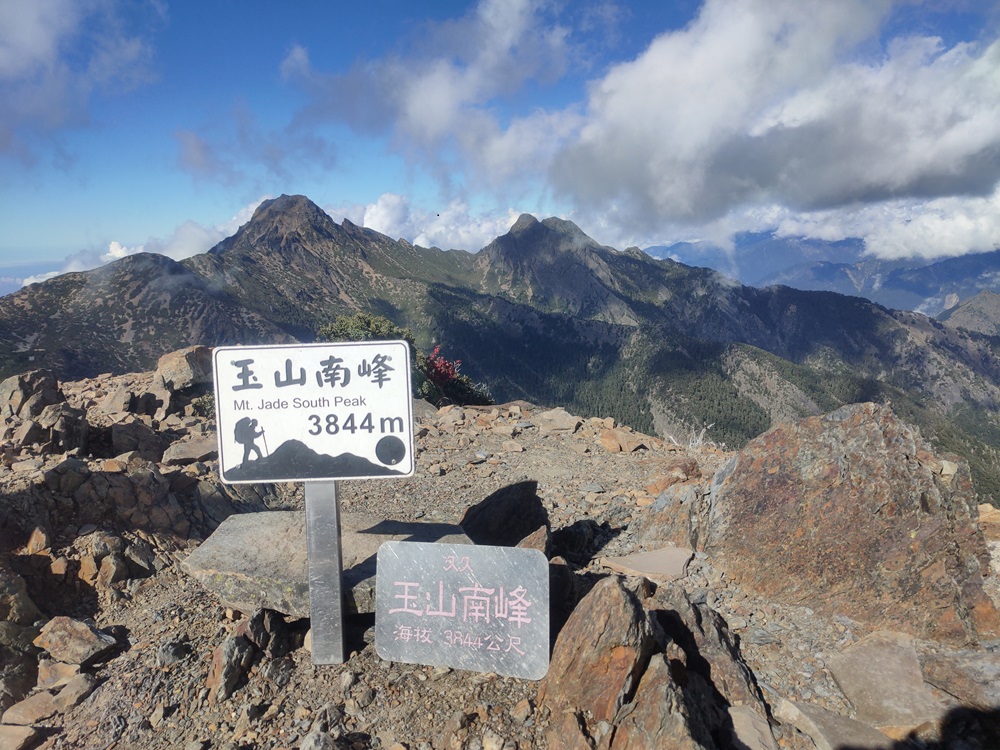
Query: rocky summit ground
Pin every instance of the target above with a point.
(108, 641)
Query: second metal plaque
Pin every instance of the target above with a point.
(470, 607)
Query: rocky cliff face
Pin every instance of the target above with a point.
(133, 310)
(769, 630)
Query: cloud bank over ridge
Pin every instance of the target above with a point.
(798, 114)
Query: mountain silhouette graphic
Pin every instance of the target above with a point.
(293, 460)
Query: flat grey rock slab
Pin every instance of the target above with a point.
(259, 560)
(18, 738)
(830, 731)
(751, 728)
(183, 452)
(881, 677)
(971, 676)
(666, 564)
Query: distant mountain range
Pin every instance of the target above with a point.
(542, 313)
(842, 267)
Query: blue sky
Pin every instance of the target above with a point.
(155, 125)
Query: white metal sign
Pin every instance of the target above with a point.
(314, 412)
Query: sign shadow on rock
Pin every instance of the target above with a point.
(583, 539)
(507, 516)
(961, 727)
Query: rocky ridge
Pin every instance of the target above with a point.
(109, 640)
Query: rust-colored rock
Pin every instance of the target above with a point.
(672, 472)
(622, 440)
(661, 717)
(74, 641)
(599, 655)
(851, 513)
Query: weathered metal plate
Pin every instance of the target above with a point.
(479, 608)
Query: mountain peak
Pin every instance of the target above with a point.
(287, 205)
(564, 226)
(524, 223)
(287, 216)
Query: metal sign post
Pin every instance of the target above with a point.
(315, 414)
(326, 608)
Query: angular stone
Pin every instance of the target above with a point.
(674, 518)
(989, 522)
(38, 542)
(67, 428)
(621, 440)
(113, 569)
(74, 641)
(75, 691)
(27, 394)
(608, 639)
(258, 560)
(880, 675)
(51, 673)
(609, 441)
(184, 452)
(677, 470)
(230, 661)
(185, 367)
(507, 516)
(830, 731)
(539, 539)
(29, 432)
(17, 738)
(139, 437)
(104, 543)
(67, 476)
(267, 631)
(751, 728)
(660, 715)
(31, 710)
(557, 422)
(18, 663)
(121, 399)
(850, 512)
(707, 648)
(666, 564)
(15, 604)
(89, 569)
(971, 676)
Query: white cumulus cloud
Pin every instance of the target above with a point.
(453, 227)
(779, 107)
(443, 104)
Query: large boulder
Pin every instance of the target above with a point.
(67, 427)
(847, 513)
(634, 669)
(18, 613)
(27, 394)
(185, 368)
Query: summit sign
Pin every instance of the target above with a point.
(314, 412)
